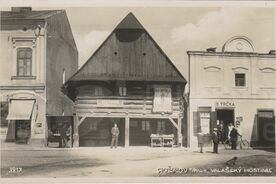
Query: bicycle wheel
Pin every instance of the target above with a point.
(244, 143)
(227, 144)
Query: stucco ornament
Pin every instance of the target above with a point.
(238, 44)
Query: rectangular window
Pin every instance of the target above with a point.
(145, 125)
(4, 113)
(122, 91)
(134, 123)
(161, 127)
(239, 79)
(24, 62)
(98, 91)
(93, 126)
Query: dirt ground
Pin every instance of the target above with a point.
(134, 162)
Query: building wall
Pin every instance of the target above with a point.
(61, 55)
(212, 81)
(245, 108)
(214, 76)
(52, 51)
(13, 87)
(11, 40)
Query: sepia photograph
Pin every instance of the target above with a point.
(137, 92)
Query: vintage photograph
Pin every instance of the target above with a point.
(138, 91)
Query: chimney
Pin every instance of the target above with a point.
(272, 52)
(21, 9)
(211, 49)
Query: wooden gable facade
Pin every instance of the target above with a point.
(125, 82)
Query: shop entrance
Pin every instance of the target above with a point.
(60, 131)
(141, 130)
(266, 128)
(95, 132)
(22, 131)
(225, 117)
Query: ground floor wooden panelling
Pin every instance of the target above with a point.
(97, 131)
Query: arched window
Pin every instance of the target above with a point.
(24, 62)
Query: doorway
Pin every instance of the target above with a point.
(22, 131)
(96, 132)
(225, 117)
(266, 128)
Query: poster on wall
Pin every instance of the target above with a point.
(162, 99)
(205, 122)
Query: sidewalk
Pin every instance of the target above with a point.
(10, 146)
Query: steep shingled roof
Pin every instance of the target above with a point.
(129, 53)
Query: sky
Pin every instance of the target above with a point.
(175, 29)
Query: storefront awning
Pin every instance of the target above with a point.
(20, 109)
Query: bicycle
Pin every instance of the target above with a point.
(242, 143)
(227, 143)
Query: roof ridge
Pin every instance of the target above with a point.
(130, 22)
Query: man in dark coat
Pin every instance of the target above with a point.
(234, 138)
(215, 140)
(115, 134)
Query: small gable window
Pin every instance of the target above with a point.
(240, 79)
(24, 62)
(122, 91)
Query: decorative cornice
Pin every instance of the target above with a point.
(239, 67)
(212, 67)
(23, 87)
(267, 68)
(23, 39)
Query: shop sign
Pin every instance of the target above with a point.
(205, 122)
(109, 103)
(239, 118)
(162, 101)
(225, 104)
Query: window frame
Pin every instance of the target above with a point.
(237, 80)
(145, 125)
(24, 61)
(122, 91)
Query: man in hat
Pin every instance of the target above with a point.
(215, 140)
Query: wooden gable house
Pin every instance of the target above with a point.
(129, 81)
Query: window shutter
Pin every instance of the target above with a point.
(213, 121)
(196, 123)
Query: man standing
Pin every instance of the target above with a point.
(215, 140)
(115, 134)
(239, 129)
(200, 137)
(63, 136)
(230, 127)
(234, 138)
